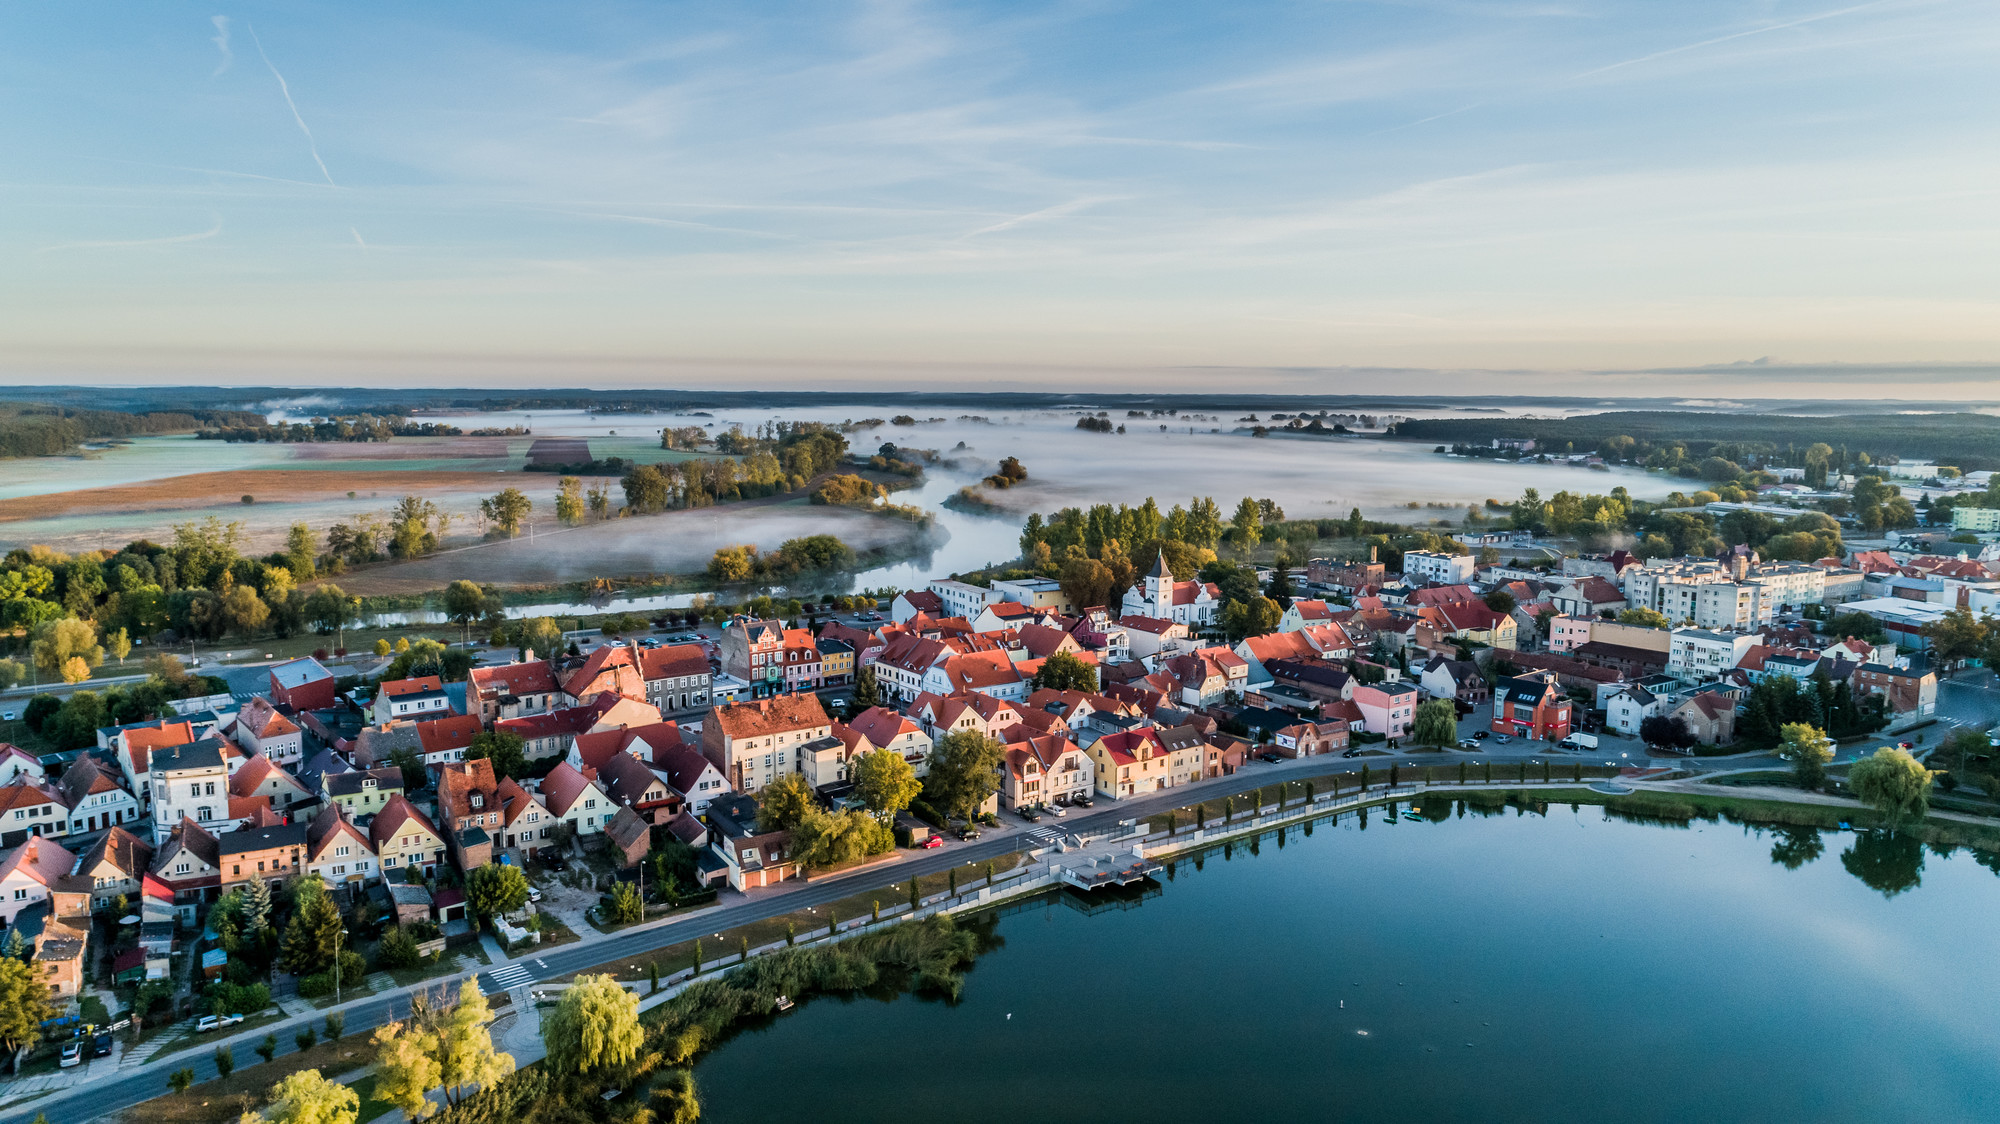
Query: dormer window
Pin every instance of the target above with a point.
(478, 801)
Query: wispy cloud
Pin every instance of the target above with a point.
(357, 237)
(1765, 29)
(221, 42)
(286, 90)
(123, 243)
(1043, 215)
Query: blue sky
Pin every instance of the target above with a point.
(1028, 194)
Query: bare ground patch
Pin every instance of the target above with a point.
(207, 489)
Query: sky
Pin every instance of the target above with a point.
(1500, 196)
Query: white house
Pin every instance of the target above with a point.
(189, 781)
(576, 799)
(407, 700)
(259, 728)
(1631, 705)
(1435, 568)
(961, 599)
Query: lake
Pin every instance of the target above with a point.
(1567, 967)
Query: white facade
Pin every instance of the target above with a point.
(1696, 655)
(1437, 568)
(961, 599)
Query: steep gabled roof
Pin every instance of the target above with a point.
(419, 686)
(626, 780)
(683, 767)
(122, 850)
(328, 828)
(458, 781)
(514, 800)
(40, 859)
(392, 818)
(564, 786)
(444, 735)
(532, 677)
(86, 777)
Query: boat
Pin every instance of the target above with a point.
(784, 1003)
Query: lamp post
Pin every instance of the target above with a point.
(336, 966)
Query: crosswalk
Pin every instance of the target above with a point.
(1043, 836)
(507, 977)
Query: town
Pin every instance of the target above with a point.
(248, 857)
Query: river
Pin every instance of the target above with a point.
(1512, 967)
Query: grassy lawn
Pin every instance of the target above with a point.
(444, 966)
(679, 957)
(1762, 777)
(223, 1101)
(370, 1107)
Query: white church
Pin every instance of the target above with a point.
(1161, 597)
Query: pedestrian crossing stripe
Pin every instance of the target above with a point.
(1044, 835)
(511, 976)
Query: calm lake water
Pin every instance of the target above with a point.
(1571, 967)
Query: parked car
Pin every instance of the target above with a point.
(100, 1047)
(1503, 739)
(1467, 743)
(1028, 814)
(1273, 758)
(213, 1022)
(1482, 735)
(72, 1054)
(968, 834)
(1084, 800)
(1056, 810)
(1352, 753)
(1906, 745)
(932, 843)
(534, 893)
(7, 716)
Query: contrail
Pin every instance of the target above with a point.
(287, 91)
(357, 237)
(221, 42)
(1734, 35)
(169, 240)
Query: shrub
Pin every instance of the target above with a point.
(234, 999)
(398, 949)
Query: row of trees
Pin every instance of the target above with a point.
(809, 554)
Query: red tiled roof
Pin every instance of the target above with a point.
(444, 735)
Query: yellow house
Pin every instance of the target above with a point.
(404, 838)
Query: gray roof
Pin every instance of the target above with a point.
(204, 754)
(261, 838)
(299, 672)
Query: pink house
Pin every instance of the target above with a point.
(1389, 709)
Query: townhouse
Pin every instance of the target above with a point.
(1435, 568)
(693, 776)
(35, 872)
(188, 868)
(751, 858)
(544, 735)
(267, 854)
(441, 741)
(337, 851)
(407, 700)
(1458, 680)
(754, 651)
(511, 690)
(260, 729)
(1135, 762)
(608, 669)
(468, 811)
(988, 673)
(1389, 709)
(755, 743)
(1908, 690)
(630, 785)
(1531, 706)
(189, 782)
(115, 866)
(573, 797)
(362, 792)
(1045, 769)
(888, 730)
(404, 838)
(677, 677)
(260, 776)
(524, 820)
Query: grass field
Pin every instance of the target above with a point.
(225, 1100)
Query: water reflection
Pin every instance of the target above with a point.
(1888, 862)
(1797, 846)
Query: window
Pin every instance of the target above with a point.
(340, 851)
(180, 868)
(211, 789)
(21, 894)
(388, 860)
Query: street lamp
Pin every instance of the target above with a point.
(336, 966)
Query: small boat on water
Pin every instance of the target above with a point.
(784, 1003)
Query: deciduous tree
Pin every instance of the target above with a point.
(1808, 749)
(496, 889)
(964, 771)
(1893, 783)
(884, 781)
(1436, 723)
(465, 1047)
(1065, 672)
(406, 1068)
(596, 1024)
(307, 1098)
(24, 1005)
